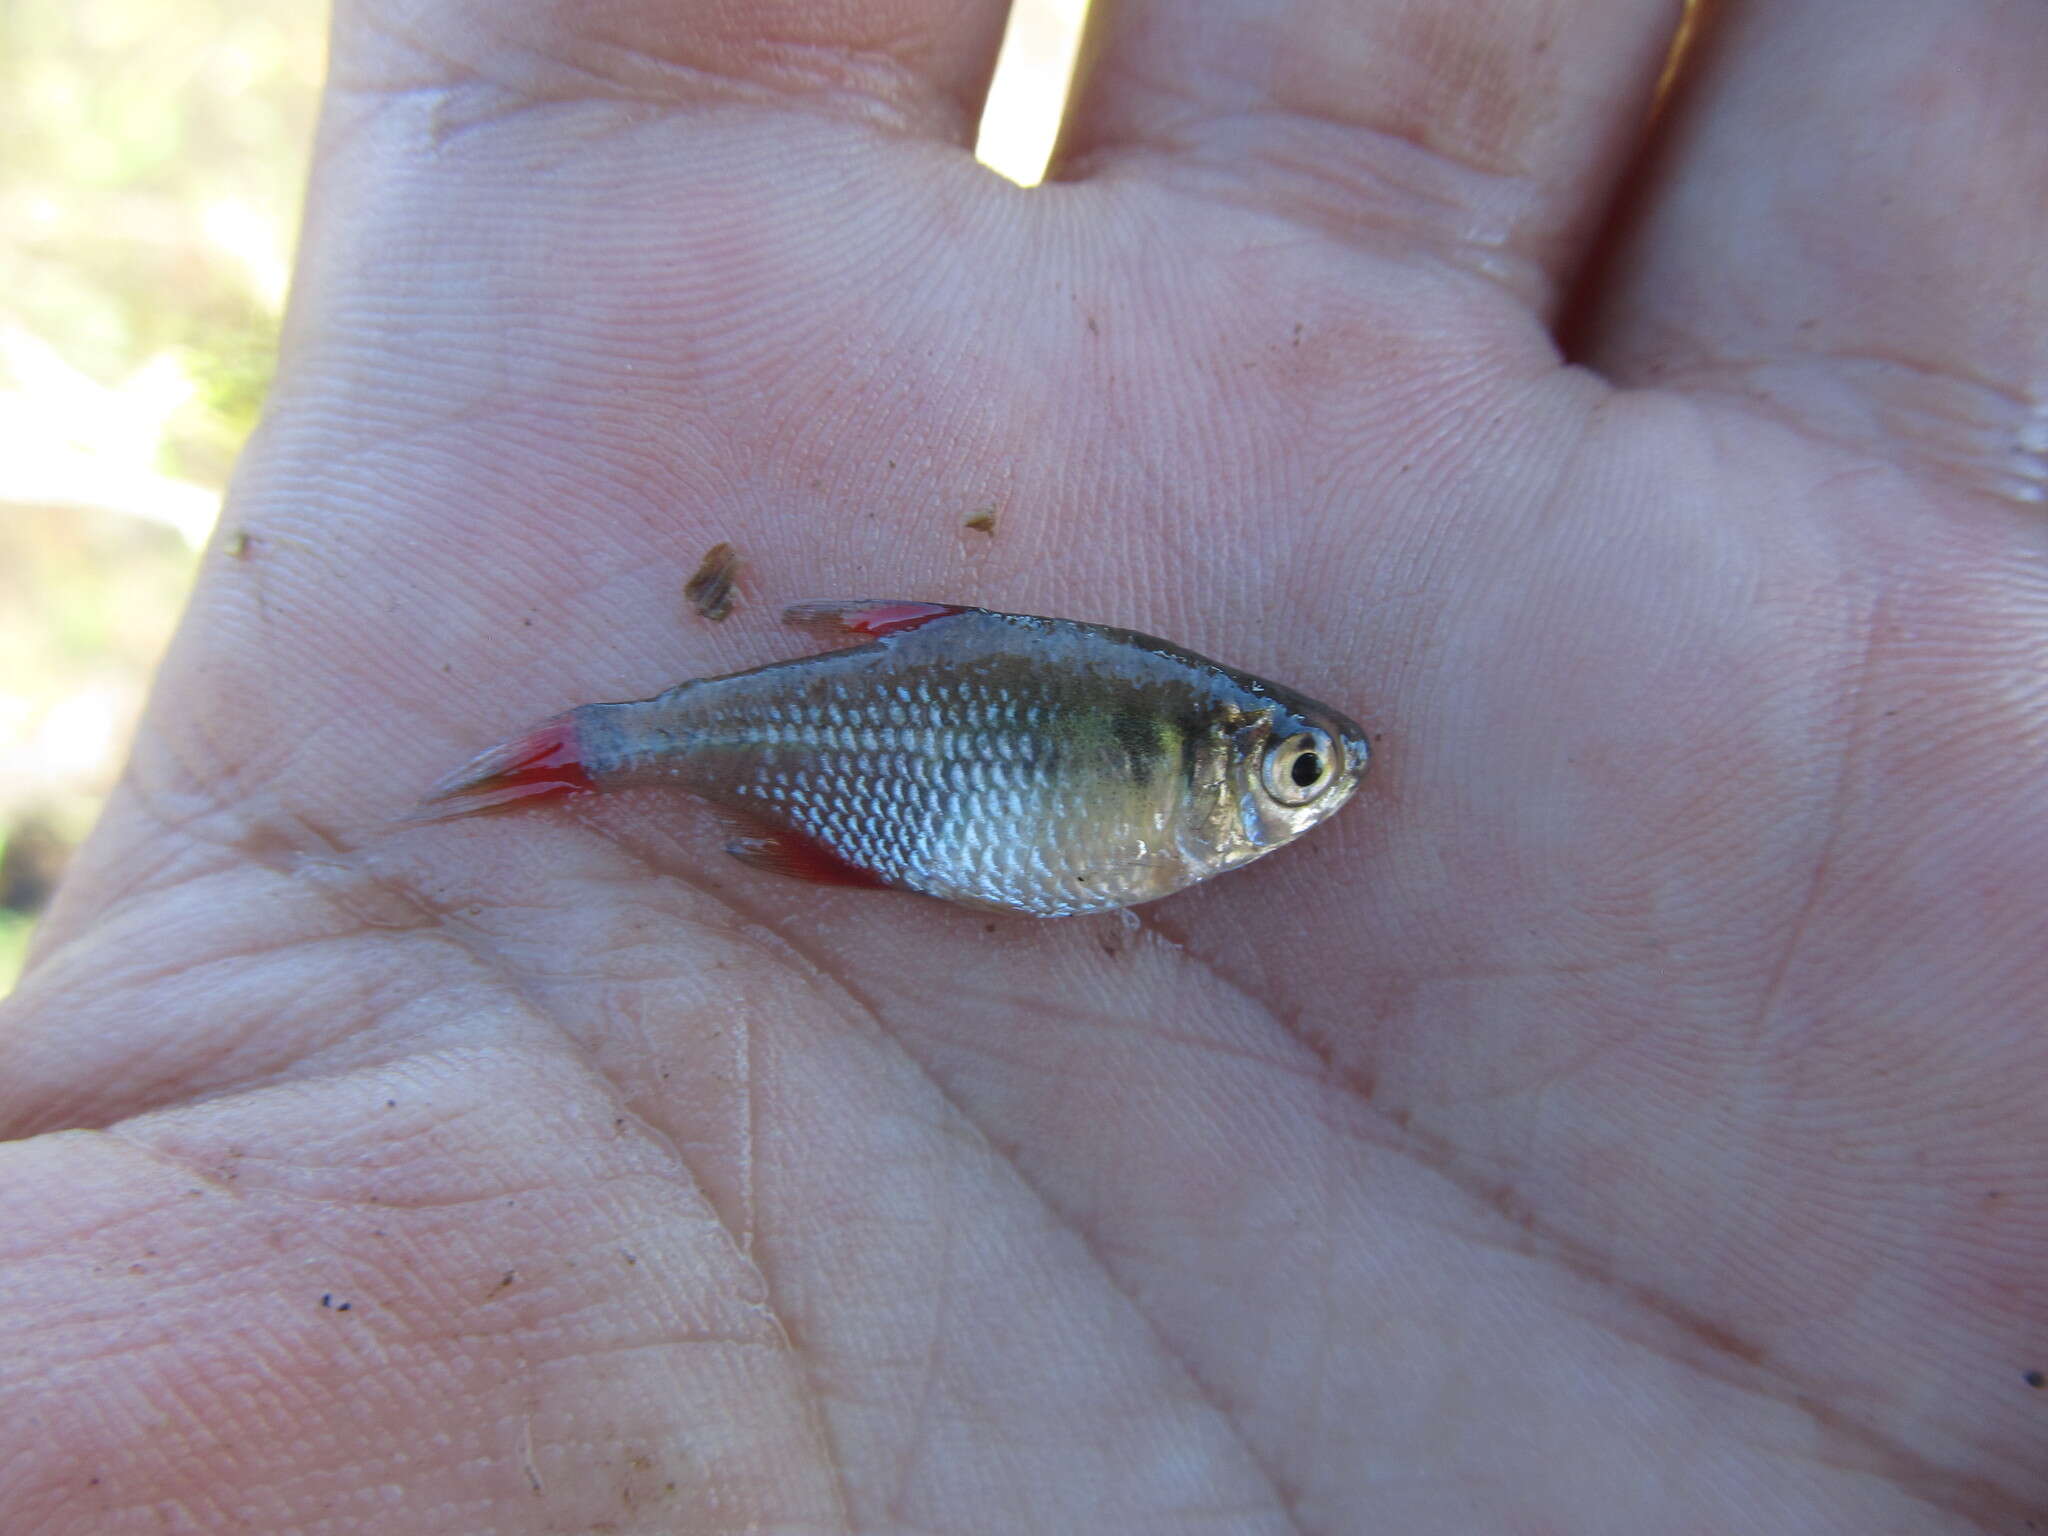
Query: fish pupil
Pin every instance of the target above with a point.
(1307, 769)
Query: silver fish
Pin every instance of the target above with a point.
(1000, 760)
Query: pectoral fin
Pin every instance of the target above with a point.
(872, 618)
(784, 852)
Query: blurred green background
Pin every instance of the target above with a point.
(151, 160)
(150, 163)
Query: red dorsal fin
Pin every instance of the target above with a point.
(547, 760)
(782, 851)
(871, 617)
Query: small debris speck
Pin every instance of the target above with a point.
(327, 1300)
(2036, 1379)
(983, 519)
(710, 590)
(240, 544)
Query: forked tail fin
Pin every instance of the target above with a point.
(547, 760)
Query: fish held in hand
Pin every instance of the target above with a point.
(1000, 760)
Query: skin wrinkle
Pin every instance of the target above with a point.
(783, 1344)
(181, 969)
(1857, 720)
(1453, 147)
(867, 87)
(898, 1497)
(426, 922)
(185, 1167)
(1744, 384)
(748, 930)
(749, 1141)
(1326, 1273)
(1682, 1335)
(152, 860)
(1551, 1073)
(179, 830)
(1715, 1352)
(1416, 220)
(1282, 1500)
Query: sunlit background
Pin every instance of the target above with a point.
(151, 159)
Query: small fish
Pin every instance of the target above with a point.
(1003, 761)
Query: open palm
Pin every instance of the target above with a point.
(1627, 1116)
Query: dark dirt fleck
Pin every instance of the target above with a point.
(983, 519)
(2036, 1379)
(709, 590)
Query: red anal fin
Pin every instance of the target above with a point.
(872, 617)
(547, 760)
(801, 857)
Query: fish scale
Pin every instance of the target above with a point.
(1034, 765)
(955, 804)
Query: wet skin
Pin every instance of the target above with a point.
(1627, 1116)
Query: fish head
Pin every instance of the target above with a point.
(1291, 763)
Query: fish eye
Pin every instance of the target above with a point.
(1299, 767)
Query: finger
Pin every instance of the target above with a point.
(1489, 130)
(921, 65)
(1846, 225)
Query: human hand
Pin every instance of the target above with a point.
(1626, 1116)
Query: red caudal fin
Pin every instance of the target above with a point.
(547, 760)
(872, 617)
(784, 852)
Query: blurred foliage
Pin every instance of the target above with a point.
(151, 156)
(151, 160)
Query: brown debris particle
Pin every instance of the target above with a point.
(710, 590)
(240, 544)
(983, 519)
